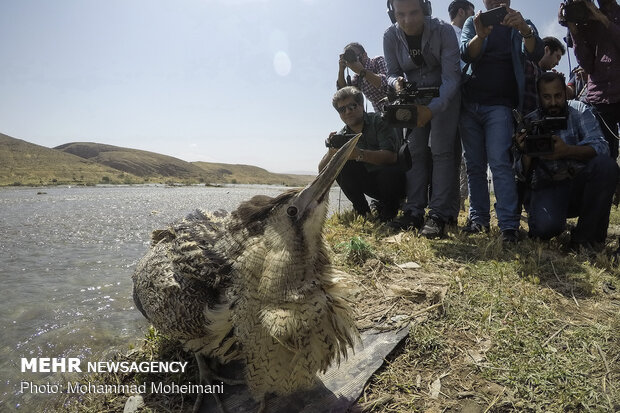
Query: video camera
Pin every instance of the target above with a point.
(401, 111)
(575, 12)
(538, 138)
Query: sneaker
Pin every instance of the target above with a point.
(433, 228)
(472, 227)
(377, 206)
(510, 236)
(406, 221)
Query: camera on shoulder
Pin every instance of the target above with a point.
(401, 110)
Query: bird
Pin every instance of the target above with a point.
(256, 286)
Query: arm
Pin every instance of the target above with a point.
(341, 82)
(377, 76)
(450, 70)
(390, 52)
(562, 150)
(515, 20)
(472, 38)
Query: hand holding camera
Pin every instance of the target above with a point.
(536, 138)
(336, 140)
(482, 31)
(407, 107)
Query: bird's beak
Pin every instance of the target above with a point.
(313, 194)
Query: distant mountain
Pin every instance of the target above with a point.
(247, 174)
(24, 163)
(134, 161)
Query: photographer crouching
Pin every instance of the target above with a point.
(564, 161)
(372, 168)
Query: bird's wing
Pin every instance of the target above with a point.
(192, 248)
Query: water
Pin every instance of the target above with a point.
(66, 259)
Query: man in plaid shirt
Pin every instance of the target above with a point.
(369, 74)
(576, 179)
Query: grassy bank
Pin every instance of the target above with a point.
(523, 328)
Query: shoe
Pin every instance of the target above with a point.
(384, 212)
(387, 215)
(406, 221)
(433, 228)
(510, 236)
(377, 206)
(472, 227)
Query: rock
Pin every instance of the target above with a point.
(133, 404)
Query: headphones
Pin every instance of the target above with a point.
(427, 9)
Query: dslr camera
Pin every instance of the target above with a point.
(538, 138)
(350, 56)
(401, 110)
(575, 12)
(338, 140)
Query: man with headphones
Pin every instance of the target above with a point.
(422, 49)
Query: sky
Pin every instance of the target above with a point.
(231, 81)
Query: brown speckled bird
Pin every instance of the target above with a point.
(256, 286)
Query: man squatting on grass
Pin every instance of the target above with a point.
(577, 179)
(371, 169)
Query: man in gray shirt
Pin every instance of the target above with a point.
(422, 49)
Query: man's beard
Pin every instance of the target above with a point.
(555, 110)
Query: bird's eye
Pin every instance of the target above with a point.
(291, 211)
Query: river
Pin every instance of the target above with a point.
(66, 259)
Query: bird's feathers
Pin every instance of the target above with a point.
(256, 285)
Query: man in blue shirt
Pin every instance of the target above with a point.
(495, 85)
(576, 179)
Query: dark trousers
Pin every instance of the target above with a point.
(587, 196)
(609, 117)
(386, 185)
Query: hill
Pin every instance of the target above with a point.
(247, 174)
(24, 163)
(148, 165)
(156, 167)
(88, 163)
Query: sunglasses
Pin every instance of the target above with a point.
(350, 106)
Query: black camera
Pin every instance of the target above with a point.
(493, 16)
(350, 56)
(338, 140)
(575, 12)
(402, 111)
(538, 139)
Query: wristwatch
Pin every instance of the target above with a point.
(362, 73)
(360, 155)
(529, 35)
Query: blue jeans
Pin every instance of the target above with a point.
(588, 195)
(486, 134)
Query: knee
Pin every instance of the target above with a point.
(545, 226)
(604, 167)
